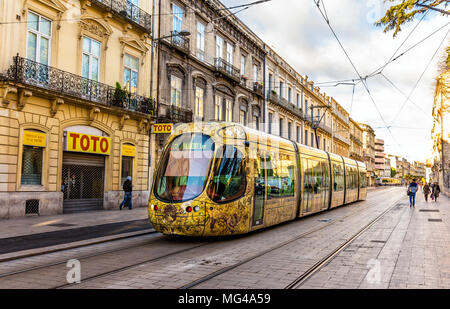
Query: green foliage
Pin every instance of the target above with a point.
(393, 172)
(404, 12)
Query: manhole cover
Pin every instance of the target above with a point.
(435, 220)
(429, 210)
(61, 224)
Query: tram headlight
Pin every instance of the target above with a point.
(197, 208)
(189, 209)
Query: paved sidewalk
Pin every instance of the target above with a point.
(35, 224)
(408, 248)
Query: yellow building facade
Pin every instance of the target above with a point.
(69, 136)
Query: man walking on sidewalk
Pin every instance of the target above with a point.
(426, 190)
(436, 191)
(128, 189)
(412, 189)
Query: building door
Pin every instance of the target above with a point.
(82, 182)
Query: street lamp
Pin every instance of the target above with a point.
(315, 125)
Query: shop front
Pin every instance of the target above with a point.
(83, 169)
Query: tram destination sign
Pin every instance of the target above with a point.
(80, 142)
(162, 127)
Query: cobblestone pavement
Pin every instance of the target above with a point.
(41, 224)
(403, 242)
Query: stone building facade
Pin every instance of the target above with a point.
(68, 136)
(369, 151)
(341, 130)
(379, 157)
(214, 74)
(356, 149)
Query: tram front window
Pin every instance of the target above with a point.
(228, 182)
(184, 169)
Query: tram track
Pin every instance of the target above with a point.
(210, 276)
(302, 278)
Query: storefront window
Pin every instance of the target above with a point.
(32, 165)
(127, 168)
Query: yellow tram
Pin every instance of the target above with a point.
(221, 178)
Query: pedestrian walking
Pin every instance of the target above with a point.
(128, 189)
(412, 189)
(435, 192)
(426, 191)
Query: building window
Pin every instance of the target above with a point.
(38, 38)
(219, 47)
(127, 168)
(289, 130)
(177, 19)
(256, 122)
(201, 41)
(243, 64)
(290, 95)
(281, 88)
(255, 73)
(312, 139)
(298, 134)
(298, 100)
(242, 117)
(306, 137)
(175, 91)
(131, 73)
(270, 82)
(270, 122)
(324, 144)
(199, 98)
(32, 165)
(218, 108)
(306, 107)
(91, 59)
(228, 111)
(281, 126)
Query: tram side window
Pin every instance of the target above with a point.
(317, 176)
(280, 175)
(362, 176)
(307, 176)
(228, 182)
(325, 179)
(338, 172)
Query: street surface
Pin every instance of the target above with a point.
(378, 243)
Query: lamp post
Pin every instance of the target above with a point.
(315, 125)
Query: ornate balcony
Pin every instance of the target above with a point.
(258, 88)
(125, 9)
(341, 138)
(62, 83)
(180, 42)
(355, 139)
(175, 114)
(227, 69)
(282, 102)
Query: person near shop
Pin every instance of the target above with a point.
(435, 192)
(128, 189)
(426, 191)
(412, 189)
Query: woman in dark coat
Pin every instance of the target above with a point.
(436, 191)
(426, 191)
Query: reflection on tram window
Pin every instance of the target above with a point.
(259, 189)
(317, 177)
(362, 177)
(280, 175)
(228, 182)
(184, 169)
(338, 172)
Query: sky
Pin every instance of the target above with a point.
(298, 33)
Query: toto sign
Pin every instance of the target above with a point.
(81, 142)
(162, 128)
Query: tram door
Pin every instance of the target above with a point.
(260, 187)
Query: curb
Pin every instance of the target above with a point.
(82, 243)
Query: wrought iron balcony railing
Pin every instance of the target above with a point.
(227, 69)
(282, 102)
(173, 113)
(343, 117)
(180, 42)
(60, 82)
(258, 88)
(128, 10)
(341, 138)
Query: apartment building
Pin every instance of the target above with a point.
(369, 151)
(73, 127)
(356, 145)
(379, 157)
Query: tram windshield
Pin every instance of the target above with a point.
(184, 170)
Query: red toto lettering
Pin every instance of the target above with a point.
(84, 146)
(104, 144)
